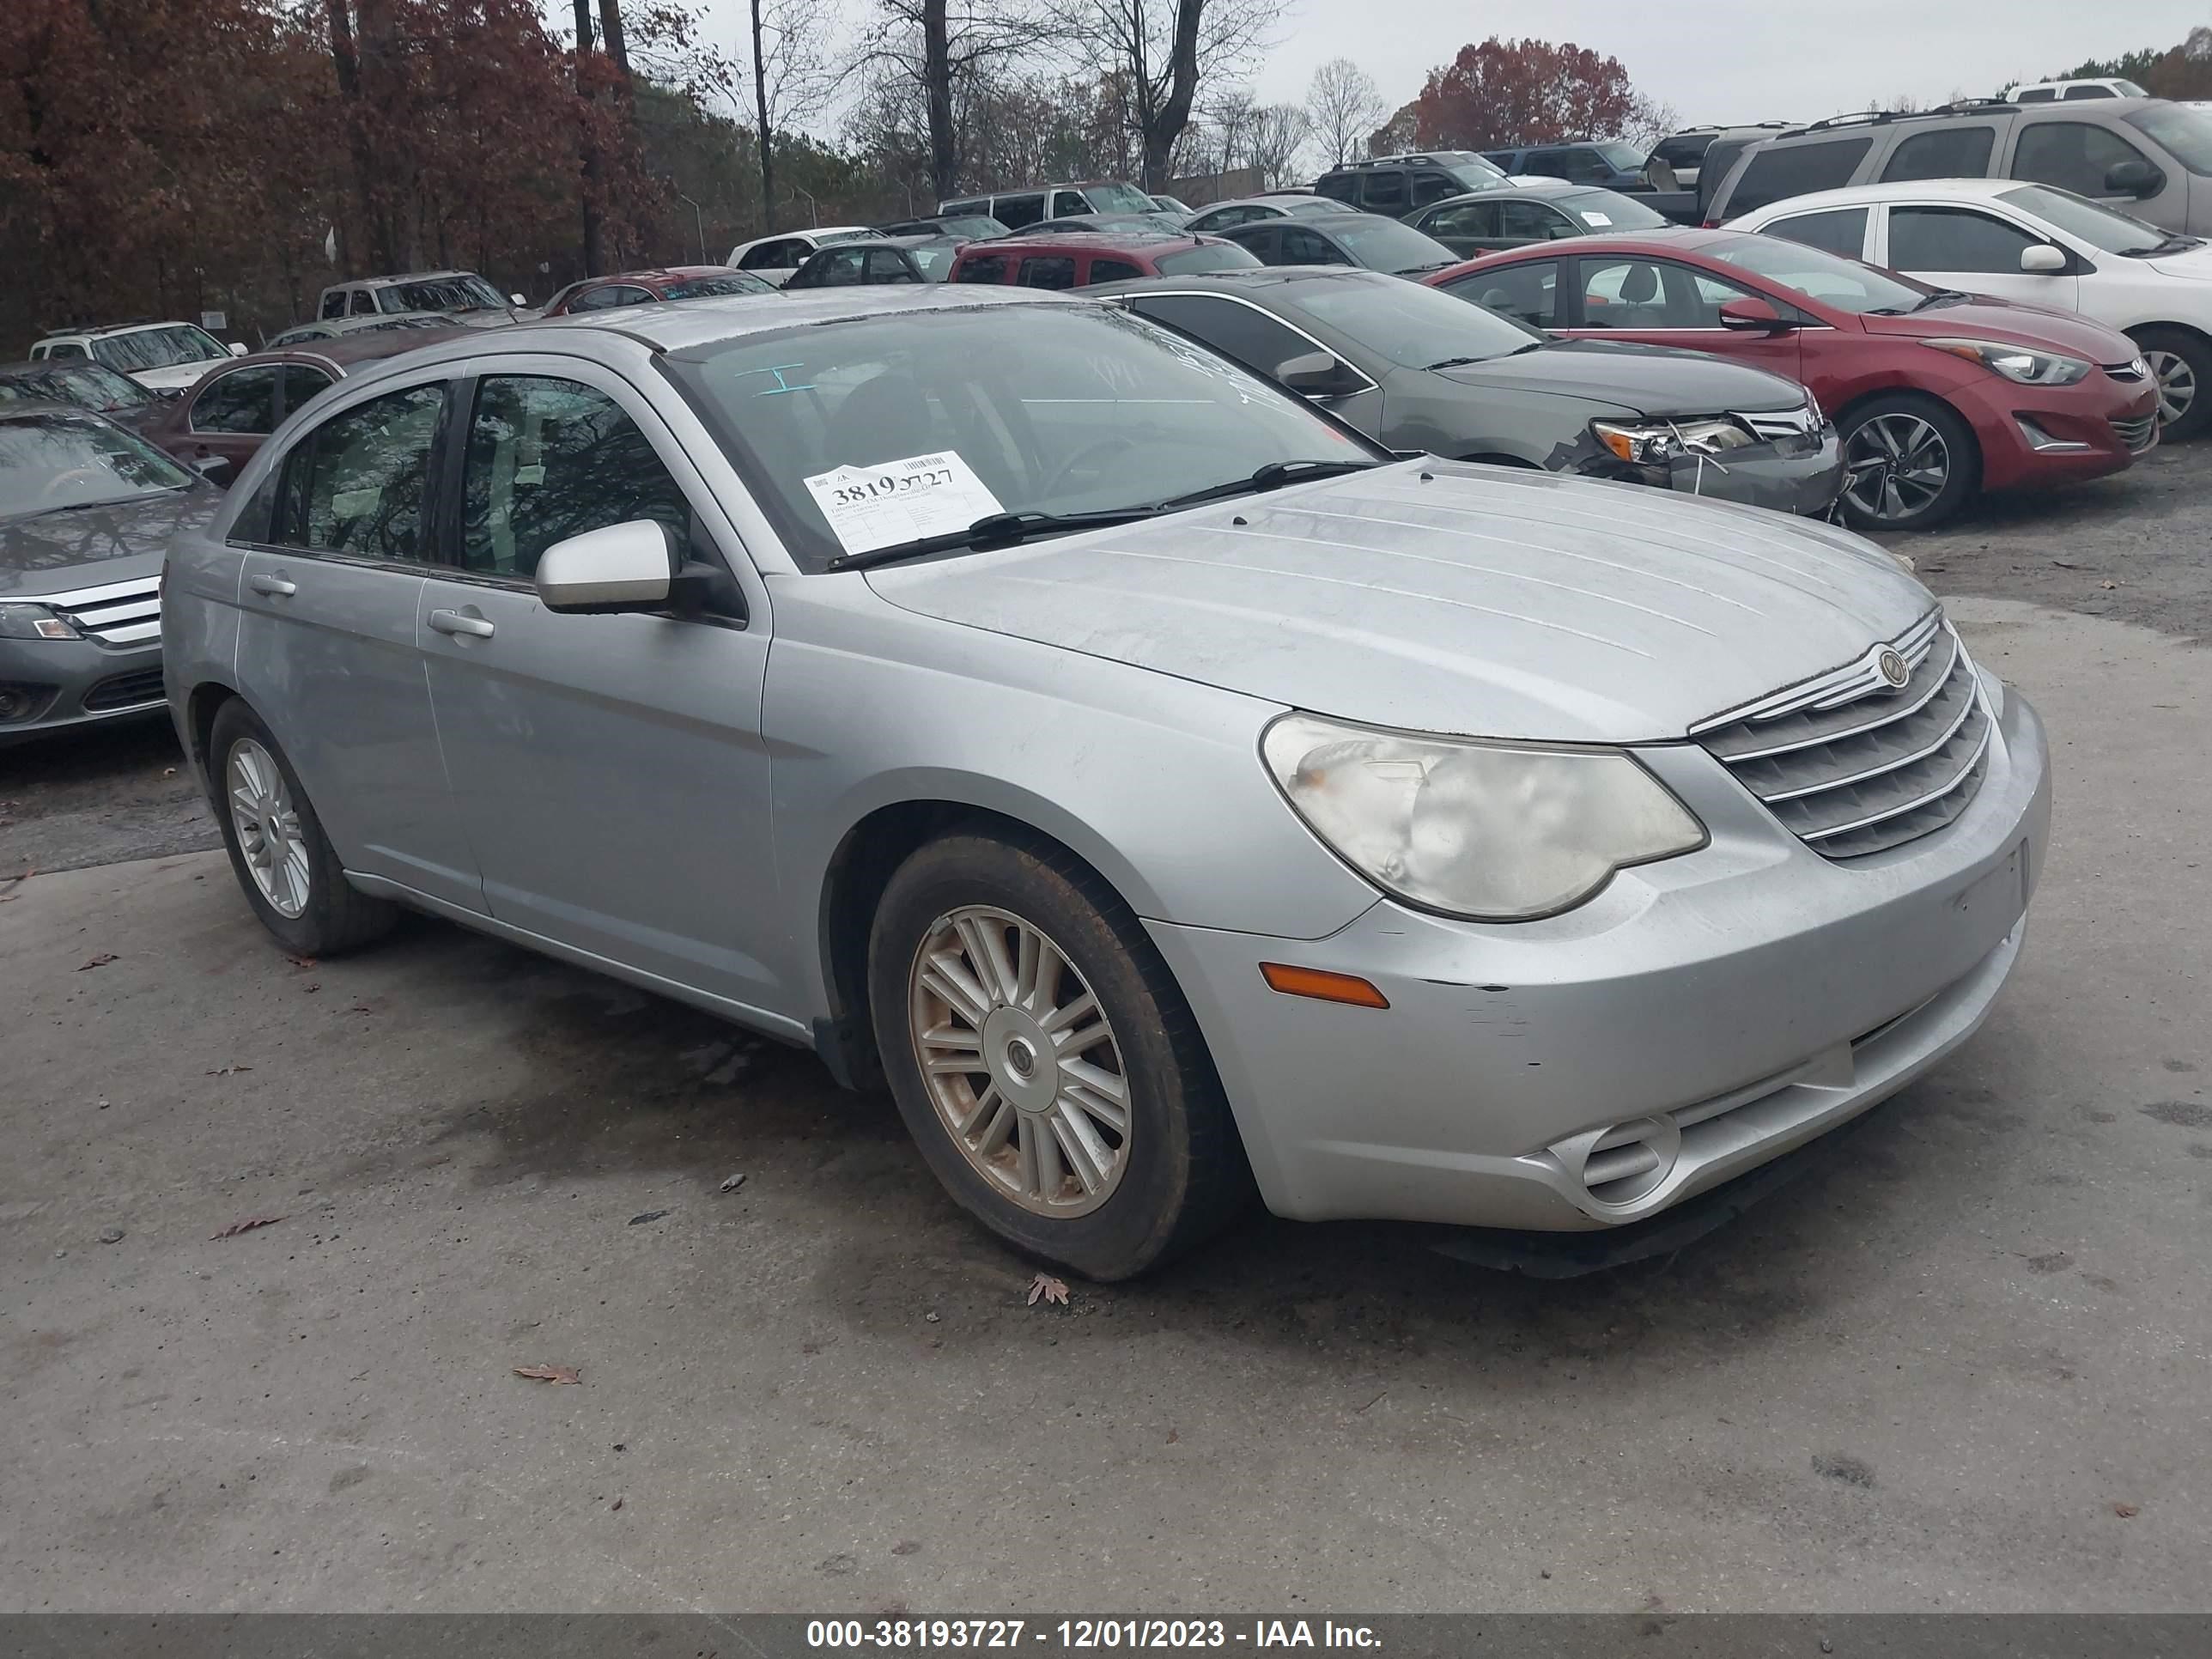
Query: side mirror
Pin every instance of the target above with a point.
(238, 348)
(620, 567)
(2042, 260)
(1319, 374)
(516, 300)
(1752, 316)
(215, 469)
(2137, 179)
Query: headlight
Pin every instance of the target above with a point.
(2015, 363)
(1654, 443)
(1492, 832)
(34, 622)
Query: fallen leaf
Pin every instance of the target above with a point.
(246, 1225)
(1051, 1289)
(298, 961)
(2127, 1511)
(1173, 1437)
(100, 961)
(617, 1503)
(733, 1183)
(550, 1373)
(225, 1071)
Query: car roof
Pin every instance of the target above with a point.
(104, 330)
(1268, 198)
(1248, 280)
(1656, 243)
(1349, 216)
(1899, 189)
(401, 276)
(1096, 241)
(1524, 184)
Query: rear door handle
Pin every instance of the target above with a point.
(453, 621)
(275, 586)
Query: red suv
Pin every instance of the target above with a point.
(1079, 258)
(1936, 393)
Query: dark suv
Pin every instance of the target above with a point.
(1605, 162)
(2140, 156)
(1401, 186)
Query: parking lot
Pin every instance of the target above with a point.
(1959, 1365)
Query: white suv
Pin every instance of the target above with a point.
(159, 356)
(2040, 246)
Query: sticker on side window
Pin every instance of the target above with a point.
(894, 501)
(1590, 218)
(355, 503)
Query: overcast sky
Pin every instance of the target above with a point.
(1713, 63)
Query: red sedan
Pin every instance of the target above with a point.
(1936, 394)
(1077, 259)
(644, 288)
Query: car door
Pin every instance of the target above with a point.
(609, 770)
(231, 415)
(333, 570)
(1659, 302)
(1951, 244)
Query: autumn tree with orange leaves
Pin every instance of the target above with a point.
(1524, 92)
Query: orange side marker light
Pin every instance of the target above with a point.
(1322, 985)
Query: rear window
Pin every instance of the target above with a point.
(702, 288)
(1608, 210)
(1048, 270)
(1207, 256)
(1835, 230)
(1946, 153)
(1682, 149)
(1777, 174)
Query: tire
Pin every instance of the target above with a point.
(332, 917)
(1124, 1200)
(1880, 435)
(2181, 363)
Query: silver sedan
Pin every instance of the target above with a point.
(1166, 793)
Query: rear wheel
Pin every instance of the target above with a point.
(2181, 366)
(1909, 463)
(1044, 1060)
(285, 864)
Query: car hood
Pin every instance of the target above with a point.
(176, 377)
(1649, 379)
(83, 546)
(1984, 317)
(2195, 262)
(1443, 596)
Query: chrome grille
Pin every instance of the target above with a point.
(2135, 369)
(1852, 765)
(1769, 423)
(2137, 435)
(121, 613)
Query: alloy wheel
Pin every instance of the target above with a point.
(2176, 381)
(267, 826)
(1895, 465)
(1019, 1061)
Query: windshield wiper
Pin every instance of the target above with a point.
(2170, 245)
(81, 507)
(1462, 362)
(1273, 476)
(1942, 296)
(992, 530)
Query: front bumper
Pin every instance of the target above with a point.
(1802, 475)
(2034, 437)
(1725, 1007)
(47, 685)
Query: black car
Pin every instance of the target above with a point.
(82, 382)
(892, 259)
(1513, 216)
(87, 512)
(1395, 360)
(1398, 186)
(1365, 239)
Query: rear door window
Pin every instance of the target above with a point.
(983, 268)
(1340, 187)
(243, 400)
(1385, 190)
(1836, 230)
(886, 264)
(1776, 174)
(1946, 153)
(298, 382)
(1048, 271)
(1232, 328)
(364, 303)
(1432, 187)
(1955, 238)
(1069, 201)
(1112, 270)
(1015, 211)
(2071, 155)
(2073, 93)
(357, 483)
(1530, 221)
(1302, 246)
(334, 304)
(1526, 291)
(1471, 220)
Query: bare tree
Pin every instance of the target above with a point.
(941, 46)
(1277, 132)
(1345, 105)
(1162, 52)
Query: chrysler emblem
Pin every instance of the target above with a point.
(1892, 668)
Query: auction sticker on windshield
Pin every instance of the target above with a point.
(894, 501)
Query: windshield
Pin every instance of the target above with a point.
(87, 385)
(2099, 226)
(1117, 198)
(1620, 212)
(157, 348)
(1412, 325)
(463, 292)
(1205, 256)
(1383, 244)
(1056, 409)
(1843, 284)
(2186, 133)
(1621, 158)
(706, 288)
(62, 460)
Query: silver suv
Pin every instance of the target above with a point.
(2147, 156)
(1169, 793)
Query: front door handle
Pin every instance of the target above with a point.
(275, 586)
(453, 621)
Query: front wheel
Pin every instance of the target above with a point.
(1043, 1059)
(1909, 463)
(2180, 363)
(285, 864)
